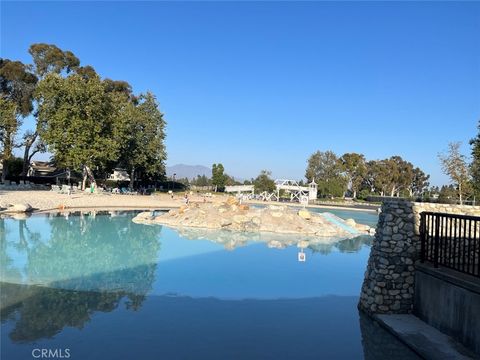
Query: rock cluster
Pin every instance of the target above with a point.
(272, 219)
(389, 282)
(19, 208)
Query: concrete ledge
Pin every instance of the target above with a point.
(425, 340)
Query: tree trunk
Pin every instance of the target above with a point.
(84, 180)
(460, 193)
(26, 155)
(354, 194)
(8, 144)
(132, 178)
(4, 170)
(392, 192)
(87, 173)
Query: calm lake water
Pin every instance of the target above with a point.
(103, 287)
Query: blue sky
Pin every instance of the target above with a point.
(262, 85)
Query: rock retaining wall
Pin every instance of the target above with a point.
(389, 283)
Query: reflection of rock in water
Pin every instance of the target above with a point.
(379, 344)
(40, 312)
(234, 239)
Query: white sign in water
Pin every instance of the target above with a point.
(301, 256)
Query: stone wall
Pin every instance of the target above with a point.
(389, 283)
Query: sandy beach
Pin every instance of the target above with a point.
(51, 201)
(44, 200)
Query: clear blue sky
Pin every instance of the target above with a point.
(262, 85)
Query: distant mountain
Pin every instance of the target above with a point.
(188, 171)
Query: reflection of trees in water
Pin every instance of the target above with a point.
(348, 245)
(104, 259)
(26, 240)
(96, 253)
(44, 312)
(7, 267)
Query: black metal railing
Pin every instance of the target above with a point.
(451, 241)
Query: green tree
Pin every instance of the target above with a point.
(326, 170)
(419, 182)
(264, 182)
(201, 181)
(8, 128)
(47, 59)
(230, 180)
(393, 176)
(355, 169)
(447, 194)
(142, 138)
(17, 85)
(76, 121)
(400, 175)
(475, 165)
(454, 164)
(218, 177)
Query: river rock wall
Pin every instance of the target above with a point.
(389, 283)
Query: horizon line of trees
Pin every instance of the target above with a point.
(89, 124)
(352, 172)
(464, 174)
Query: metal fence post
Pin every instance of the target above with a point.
(423, 238)
(437, 240)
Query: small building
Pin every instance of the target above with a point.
(312, 190)
(119, 175)
(42, 168)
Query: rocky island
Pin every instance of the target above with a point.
(231, 215)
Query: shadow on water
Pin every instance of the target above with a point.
(111, 325)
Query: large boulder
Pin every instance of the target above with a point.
(20, 208)
(231, 201)
(143, 217)
(276, 214)
(351, 222)
(239, 219)
(304, 214)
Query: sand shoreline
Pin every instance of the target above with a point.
(44, 201)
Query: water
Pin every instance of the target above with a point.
(103, 287)
(361, 217)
